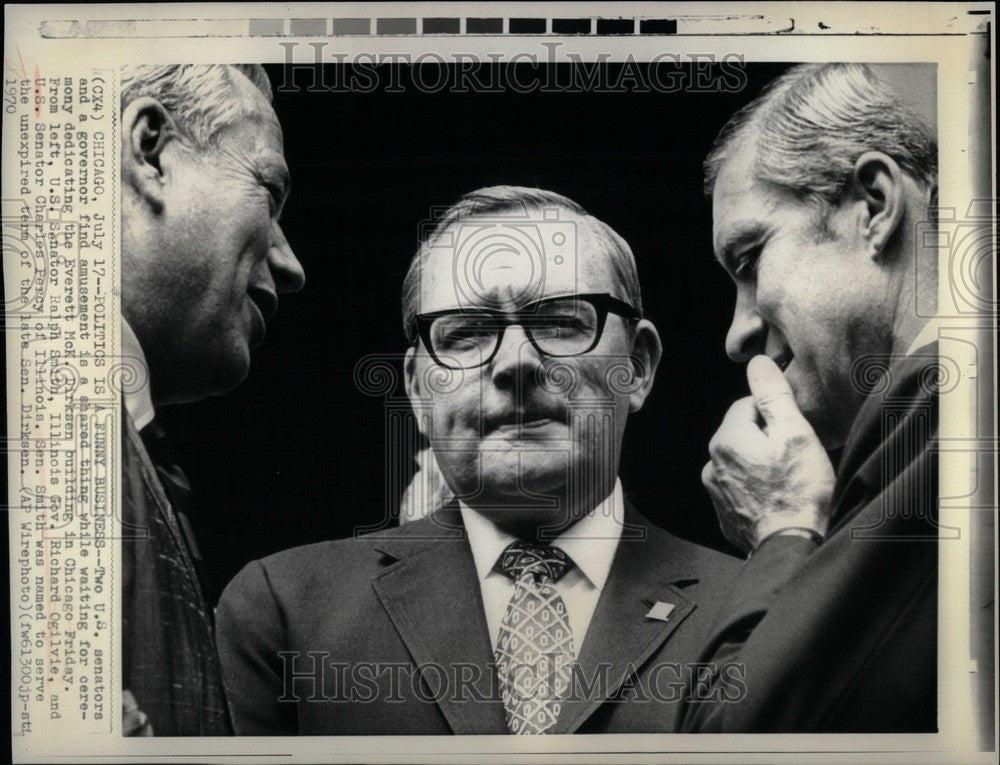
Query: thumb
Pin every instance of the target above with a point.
(772, 395)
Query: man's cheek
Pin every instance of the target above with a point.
(574, 379)
(456, 415)
(604, 383)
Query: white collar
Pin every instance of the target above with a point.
(927, 335)
(138, 402)
(591, 542)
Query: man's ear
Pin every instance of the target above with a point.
(646, 352)
(147, 129)
(414, 387)
(877, 181)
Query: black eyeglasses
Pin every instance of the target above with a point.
(567, 325)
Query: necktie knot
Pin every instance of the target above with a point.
(542, 562)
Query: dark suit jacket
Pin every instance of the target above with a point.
(843, 637)
(410, 597)
(169, 660)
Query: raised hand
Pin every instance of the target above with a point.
(768, 470)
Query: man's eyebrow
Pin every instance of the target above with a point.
(271, 165)
(276, 174)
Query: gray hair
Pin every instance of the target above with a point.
(809, 126)
(498, 200)
(202, 99)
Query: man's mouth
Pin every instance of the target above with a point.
(526, 425)
(258, 327)
(265, 304)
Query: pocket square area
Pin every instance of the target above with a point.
(660, 611)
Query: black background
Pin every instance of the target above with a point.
(296, 454)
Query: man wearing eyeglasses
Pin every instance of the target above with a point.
(537, 600)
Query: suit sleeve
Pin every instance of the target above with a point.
(757, 585)
(251, 633)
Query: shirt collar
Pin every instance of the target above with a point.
(927, 335)
(138, 403)
(591, 542)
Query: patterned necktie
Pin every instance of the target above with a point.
(535, 652)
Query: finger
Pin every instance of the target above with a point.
(772, 395)
(714, 493)
(741, 412)
(739, 433)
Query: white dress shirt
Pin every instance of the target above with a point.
(138, 403)
(591, 543)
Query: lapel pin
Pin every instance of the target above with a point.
(660, 611)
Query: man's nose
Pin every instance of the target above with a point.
(516, 357)
(747, 332)
(288, 273)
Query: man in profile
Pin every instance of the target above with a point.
(204, 260)
(817, 191)
(537, 600)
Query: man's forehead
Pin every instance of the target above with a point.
(255, 135)
(255, 119)
(250, 93)
(739, 203)
(507, 261)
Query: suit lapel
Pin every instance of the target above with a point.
(891, 424)
(151, 482)
(431, 573)
(620, 637)
(431, 593)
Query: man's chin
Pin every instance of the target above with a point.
(226, 371)
(814, 411)
(830, 430)
(193, 377)
(831, 416)
(511, 481)
(525, 522)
